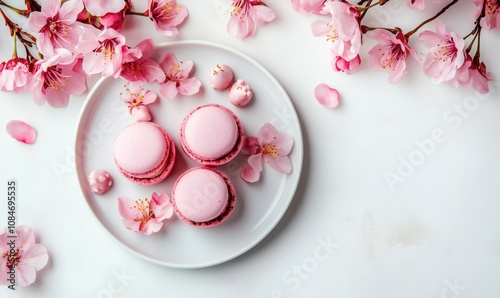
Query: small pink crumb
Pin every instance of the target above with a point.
(240, 93)
(100, 181)
(221, 77)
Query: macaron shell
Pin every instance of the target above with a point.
(223, 214)
(161, 170)
(211, 161)
(140, 147)
(211, 132)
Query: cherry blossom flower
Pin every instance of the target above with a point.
(106, 54)
(21, 254)
(102, 7)
(246, 15)
(307, 7)
(137, 67)
(339, 64)
(343, 31)
(144, 215)
(327, 96)
(166, 16)
(56, 25)
(446, 54)
(21, 131)
(56, 78)
(473, 74)
(137, 99)
(492, 13)
(177, 77)
(269, 146)
(14, 74)
(390, 53)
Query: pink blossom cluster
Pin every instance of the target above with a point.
(78, 38)
(450, 58)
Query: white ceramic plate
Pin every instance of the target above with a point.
(259, 206)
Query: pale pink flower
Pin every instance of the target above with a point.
(339, 64)
(137, 67)
(22, 255)
(56, 78)
(473, 74)
(102, 7)
(446, 54)
(343, 31)
(327, 96)
(106, 54)
(166, 16)
(137, 98)
(269, 146)
(246, 15)
(177, 77)
(14, 74)
(56, 25)
(479, 77)
(144, 215)
(390, 53)
(492, 13)
(21, 131)
(307, 7)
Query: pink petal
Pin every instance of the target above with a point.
(267, 133)
(185, 68)
(250, 145)
(168, 89)
(255, 161)
(131, 224)
(149, 97)
(26, 236)
(21, 131)
(249, 174)
(263, 14)
(141, 113)
(284, 143)
(327, 96)
(189, 86)
(25, 274)
(282, 164)
(125, 207)
(152, 226)
(36, 256)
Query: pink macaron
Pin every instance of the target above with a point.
(203, 196)
(144, 153)
(211, 134)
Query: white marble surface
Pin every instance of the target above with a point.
(347, 232)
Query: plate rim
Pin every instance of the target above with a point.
(298, 139)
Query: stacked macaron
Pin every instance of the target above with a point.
(211, 134)
(144, 153)
(203, 196)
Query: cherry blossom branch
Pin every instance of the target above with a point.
(443, 10)
(20, 35)
(23, 12)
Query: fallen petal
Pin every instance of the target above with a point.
(21, 131)
(327, 96)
